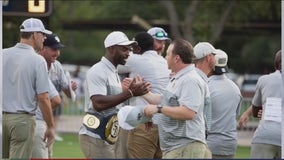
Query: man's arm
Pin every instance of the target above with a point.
(138, 87)
(178, 112)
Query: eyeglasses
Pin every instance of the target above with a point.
(161, 34)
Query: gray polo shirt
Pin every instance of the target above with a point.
(52, 93)
(185, 88)
(101, 79)
(58, 77)
(226, 101)
(268, 132)
(24, 77)
(153, 68)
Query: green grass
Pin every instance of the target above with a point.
(70, 148)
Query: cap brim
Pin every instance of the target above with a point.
(162, 38)
(57, 46)
(220, 70)
(46, 31)
(127, 43)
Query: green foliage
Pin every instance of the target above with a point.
(245, 46)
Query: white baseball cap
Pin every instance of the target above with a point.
(203, 49)
(117, 38)
(158, 33)
(130, 117)
(33, 25)
(221, 61)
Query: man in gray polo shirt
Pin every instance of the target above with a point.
(104, 96)
(181, 122)
(25, 85)
(226, 101)
(266, 142)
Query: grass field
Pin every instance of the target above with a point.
(70, 148)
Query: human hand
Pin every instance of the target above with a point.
(49, 136)
(148, 126)
(150, 110)
(74, 85)
(243, 120)
(126, 83)
(139, 87)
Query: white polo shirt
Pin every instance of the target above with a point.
(101, 79)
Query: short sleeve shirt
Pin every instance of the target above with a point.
(52, 93)
(57, 76)
(226, 101)
(268, 132)
(188, 89)
(24, 77)
(101, 79)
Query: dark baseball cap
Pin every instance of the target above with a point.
(53, 41)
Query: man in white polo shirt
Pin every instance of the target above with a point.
(25, 84)
(104, 96)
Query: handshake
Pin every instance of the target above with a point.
(136, 86)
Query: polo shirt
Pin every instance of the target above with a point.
(188, 89)
(101, 79)
(24, 77)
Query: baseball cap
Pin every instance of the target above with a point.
(221, 62)
(117, 38)
(53, 41)
(33, 25)
(158, 33)
(203, 49)
(130, 117)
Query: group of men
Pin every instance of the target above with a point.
(33, 84)
(174, 97)
(178, 106)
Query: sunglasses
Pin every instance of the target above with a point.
(161, 34)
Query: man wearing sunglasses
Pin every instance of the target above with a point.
(160, 39)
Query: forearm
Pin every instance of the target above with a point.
(55, 102)
(178, 113)
(104, 102)
(153, 98)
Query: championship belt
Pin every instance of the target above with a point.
(105, 126)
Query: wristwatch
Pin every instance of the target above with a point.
(159, 107)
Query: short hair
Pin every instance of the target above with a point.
(145, 41)
(184, 49)
(277, 60)
(26, 35)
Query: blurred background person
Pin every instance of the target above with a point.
(50, 52)
(266, 142)
(160, 39)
